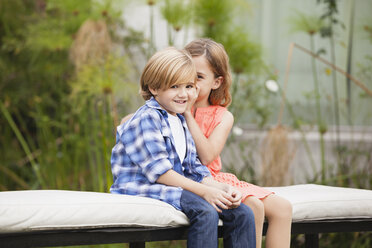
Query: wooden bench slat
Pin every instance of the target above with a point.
(137, 237)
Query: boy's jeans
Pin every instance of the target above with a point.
(239, 227)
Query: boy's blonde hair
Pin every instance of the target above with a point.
(166, 68)
(219, 62)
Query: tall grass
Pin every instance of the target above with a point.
(61, 137)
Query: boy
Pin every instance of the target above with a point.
(155, 157)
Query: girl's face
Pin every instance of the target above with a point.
(206, 80)
(175, 99)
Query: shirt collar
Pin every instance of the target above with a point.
(152, 103)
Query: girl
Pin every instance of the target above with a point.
(210, 123)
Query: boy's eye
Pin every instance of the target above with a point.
(200, 77)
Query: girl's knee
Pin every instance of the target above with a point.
(256, 205)
(286, 207)
(279, 208)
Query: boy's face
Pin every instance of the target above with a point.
(175, 99)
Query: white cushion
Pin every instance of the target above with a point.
(317, 202)
(58, 209)
(61, 209)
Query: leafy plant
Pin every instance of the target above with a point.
(328, 31)
(64, 116)
(178, 15)
(312, 25)
(211, 24)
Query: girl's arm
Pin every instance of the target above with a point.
(127, 117)
(217, 197)
(209, 148)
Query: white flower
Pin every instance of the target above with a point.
(272, 85)
(237, 130)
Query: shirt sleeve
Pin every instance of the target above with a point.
(145, 145)
(201, 171)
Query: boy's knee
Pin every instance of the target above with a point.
(197, 209)
(245, 215)
(209, 214)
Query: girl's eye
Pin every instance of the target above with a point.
(174, 86)
(190, 86)
(200, 77)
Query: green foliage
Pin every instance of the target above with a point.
(368, 30)
(313, 25)
(330, 14)
(177, 13)
(58, 122)
(365, 68)
(245, 55)
(310, 24)
(212, 24)
(95, 80)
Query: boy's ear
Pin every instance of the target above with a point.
(153, 91)
(217, 82)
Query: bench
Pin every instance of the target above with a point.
(47, 218)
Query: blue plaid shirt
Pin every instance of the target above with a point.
(145, 150)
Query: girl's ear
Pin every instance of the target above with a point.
(217, 82)
(153, 91)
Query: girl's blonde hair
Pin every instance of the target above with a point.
(219, 62)
(166, 68)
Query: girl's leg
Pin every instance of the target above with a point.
(278, 212)
(203, 231)
(257, 207)
(239, 228)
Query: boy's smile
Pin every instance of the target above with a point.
(181, 101)
(175, 99)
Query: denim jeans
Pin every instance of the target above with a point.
(239, 227)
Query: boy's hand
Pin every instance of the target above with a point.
(218, 198)
(235, 194)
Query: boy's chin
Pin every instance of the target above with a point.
(180, 110)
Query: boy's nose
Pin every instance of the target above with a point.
(182, 92)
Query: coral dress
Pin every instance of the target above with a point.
(208, 118)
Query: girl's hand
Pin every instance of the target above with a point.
(192, 99)
(218, 198)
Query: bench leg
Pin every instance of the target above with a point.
(137, 245)
(312, 240)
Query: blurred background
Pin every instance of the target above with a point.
(302, 88)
